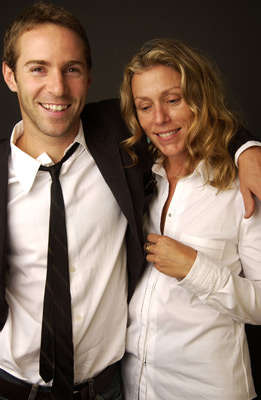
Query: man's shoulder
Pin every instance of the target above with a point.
(105, 115)
(4, 141)
(5, 144)
(109, 108)
(4, 154)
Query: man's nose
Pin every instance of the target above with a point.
(57, 84)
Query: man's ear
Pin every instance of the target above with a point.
(9, 77)
(89, 80)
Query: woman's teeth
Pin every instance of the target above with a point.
(165, 135)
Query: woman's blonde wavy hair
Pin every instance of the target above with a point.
(202, 89)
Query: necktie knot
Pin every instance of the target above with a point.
(55, 169)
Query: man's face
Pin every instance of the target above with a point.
(51, 80)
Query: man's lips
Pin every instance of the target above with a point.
(55, 107)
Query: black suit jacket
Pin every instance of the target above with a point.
(132, 187)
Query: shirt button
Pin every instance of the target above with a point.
(170, 215)
(72, 269)
(78, 317)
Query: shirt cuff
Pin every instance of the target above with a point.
(245, 146)
(206, 277)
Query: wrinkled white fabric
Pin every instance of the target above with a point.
(186, 338)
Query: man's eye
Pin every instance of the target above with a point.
(37, 69)
(73, 70)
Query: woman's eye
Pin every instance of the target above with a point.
(143, 108)
(173, 100)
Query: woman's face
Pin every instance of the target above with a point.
(161, 109)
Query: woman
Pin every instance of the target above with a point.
(186, 337)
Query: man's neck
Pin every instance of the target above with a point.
(54, 147)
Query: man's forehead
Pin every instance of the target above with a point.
(48, 41)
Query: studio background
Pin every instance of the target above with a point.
(229, 32)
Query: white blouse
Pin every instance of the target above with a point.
(186, 339)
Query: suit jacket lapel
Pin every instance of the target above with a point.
(4, 154)
(109, 159)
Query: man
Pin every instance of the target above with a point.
(47, 62)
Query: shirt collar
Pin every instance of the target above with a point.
(200, 170)
(26, 167)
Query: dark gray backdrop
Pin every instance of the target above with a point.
(229, 31)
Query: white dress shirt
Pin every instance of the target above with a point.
(186, 339)
(97, 257)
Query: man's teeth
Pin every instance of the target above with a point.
(164, 135)
(55, 107)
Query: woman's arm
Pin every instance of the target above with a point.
(230, 289)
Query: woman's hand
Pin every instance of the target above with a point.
(169, 256)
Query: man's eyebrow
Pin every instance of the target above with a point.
(40, 62)
(46, 63)
(73, 62)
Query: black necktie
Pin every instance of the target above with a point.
(56, 356)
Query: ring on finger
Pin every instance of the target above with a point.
(147, 247)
